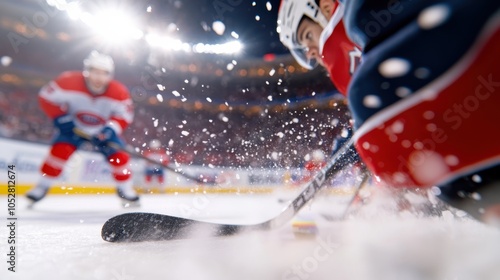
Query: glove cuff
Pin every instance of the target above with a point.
(64, 119)
(115, 126)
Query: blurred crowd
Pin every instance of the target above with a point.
(249, 135)
(21, 117)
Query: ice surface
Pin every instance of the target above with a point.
(60, 239)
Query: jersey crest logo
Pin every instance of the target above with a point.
(90, 119)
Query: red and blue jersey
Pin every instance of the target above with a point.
(425, 98)
(340, 56)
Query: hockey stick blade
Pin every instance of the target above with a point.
(135, 227)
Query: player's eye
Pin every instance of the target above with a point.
(306, 38)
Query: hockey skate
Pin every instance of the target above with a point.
(36, 194)
(128, 195)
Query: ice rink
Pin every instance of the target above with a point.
(60, 239)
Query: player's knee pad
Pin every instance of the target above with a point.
(119, 163)
(59, 155)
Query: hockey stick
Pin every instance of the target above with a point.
(134, 227)
(132, 152)
(365, 175)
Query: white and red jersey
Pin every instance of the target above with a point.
(340, 55)
(312, 167)
(158, 155)
(68, 94)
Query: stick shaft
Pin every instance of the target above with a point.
(336, 164)
(132, 152)
(135, 227)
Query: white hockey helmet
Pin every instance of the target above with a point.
(290, 14)
(99, 61)
(155, 144)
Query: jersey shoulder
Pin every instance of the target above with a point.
(117, 90)
(340, 56)
(75, 81)
(71, 80)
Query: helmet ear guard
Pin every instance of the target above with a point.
(290, 15)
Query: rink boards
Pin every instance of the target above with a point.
(88, 173)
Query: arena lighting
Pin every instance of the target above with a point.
(111, 24)
(166, 43)
(233, 47)
(59, 4)
(114, 26)
(169, 44)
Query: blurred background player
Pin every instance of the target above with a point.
(314, 162)
(153, 171)
(100, 107)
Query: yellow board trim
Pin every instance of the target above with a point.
(66, 190)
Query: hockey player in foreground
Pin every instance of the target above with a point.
(95, 104)
(314, 38)
(425, 97)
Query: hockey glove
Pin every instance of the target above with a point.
(106, 135)
(65, 124)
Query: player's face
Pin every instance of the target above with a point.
(98, 79)
(308, 35)
(327, 7)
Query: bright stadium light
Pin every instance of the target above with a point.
(59, 4)
(73, 10)
(115, 26)
(169, 44)
(111, 24)
(166, 43)
(233, 47)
